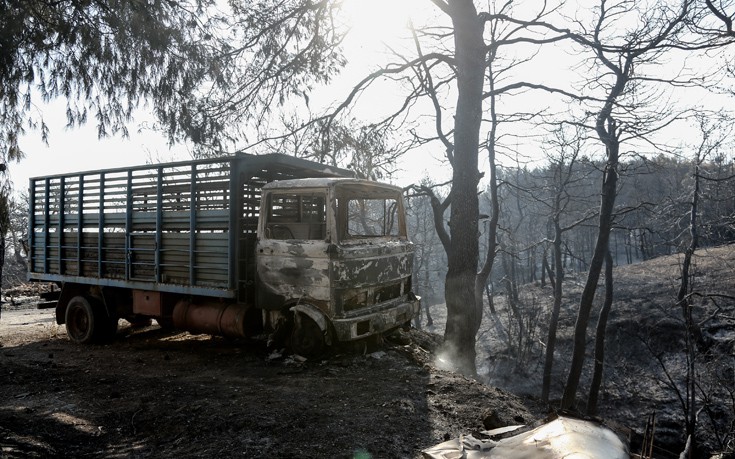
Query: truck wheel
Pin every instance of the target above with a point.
(307, 339)
(87, 321)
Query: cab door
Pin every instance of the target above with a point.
(292, 258)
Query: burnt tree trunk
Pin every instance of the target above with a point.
(546, 269)
(555, 309)
(684, 302)
(463, 311)
(429, 319)
(600, 338)
(607, 132)
(607, 204)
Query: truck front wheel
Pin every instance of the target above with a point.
(87, 321)
(307, 339)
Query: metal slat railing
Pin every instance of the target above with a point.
(46, 225)
(159, 221)
(80, 223)
(128, 225)
(192, 224)
(101, 227)
(60, 227)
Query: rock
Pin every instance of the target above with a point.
(377, 355)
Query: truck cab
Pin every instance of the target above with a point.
(334, 258)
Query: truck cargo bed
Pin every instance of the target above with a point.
(186, 227)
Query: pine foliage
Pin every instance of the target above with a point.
(207, 69)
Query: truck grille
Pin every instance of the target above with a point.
(355, 299)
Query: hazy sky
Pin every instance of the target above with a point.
(374, 24)
(80, 149)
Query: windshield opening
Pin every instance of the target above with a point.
(365, 212)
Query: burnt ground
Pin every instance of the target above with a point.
(645, 349)
(153, 393)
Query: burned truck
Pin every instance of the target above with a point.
(237, 246)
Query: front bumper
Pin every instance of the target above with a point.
(376, 321)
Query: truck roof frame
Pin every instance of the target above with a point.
(271, 158)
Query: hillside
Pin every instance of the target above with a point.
(647, 347)
(645, 341)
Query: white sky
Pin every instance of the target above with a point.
(375, 22)
(80, 149)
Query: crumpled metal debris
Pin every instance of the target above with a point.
(561, 437)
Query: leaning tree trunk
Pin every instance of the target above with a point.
(556, 308)
(607, 204)
(600, 337)
(463, 311)
(483, 275)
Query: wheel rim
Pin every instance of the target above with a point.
(78, 323)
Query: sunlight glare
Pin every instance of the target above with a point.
(377, 24)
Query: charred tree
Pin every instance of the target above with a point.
(600, 338)
(463, 311)
(554, 317)
(606, 128)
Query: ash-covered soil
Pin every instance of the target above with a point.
(646, 349)
(153, 393)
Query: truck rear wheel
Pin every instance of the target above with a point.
(88, 322)
(307, 339)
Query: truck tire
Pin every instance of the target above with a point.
(88, 322)
(307, 339)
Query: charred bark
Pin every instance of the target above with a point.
(685, 303)
(555, 309)
(600, 338)
(607, 204)
(463, 311)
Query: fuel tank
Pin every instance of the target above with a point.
(215, 318)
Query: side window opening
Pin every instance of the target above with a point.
(296, 216)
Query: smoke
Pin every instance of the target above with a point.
(445, 357)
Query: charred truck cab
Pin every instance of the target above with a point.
(235, 246)
(334, 253)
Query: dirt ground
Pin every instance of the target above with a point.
(153, 393)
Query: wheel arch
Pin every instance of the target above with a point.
(315, 314)
(70, 289)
